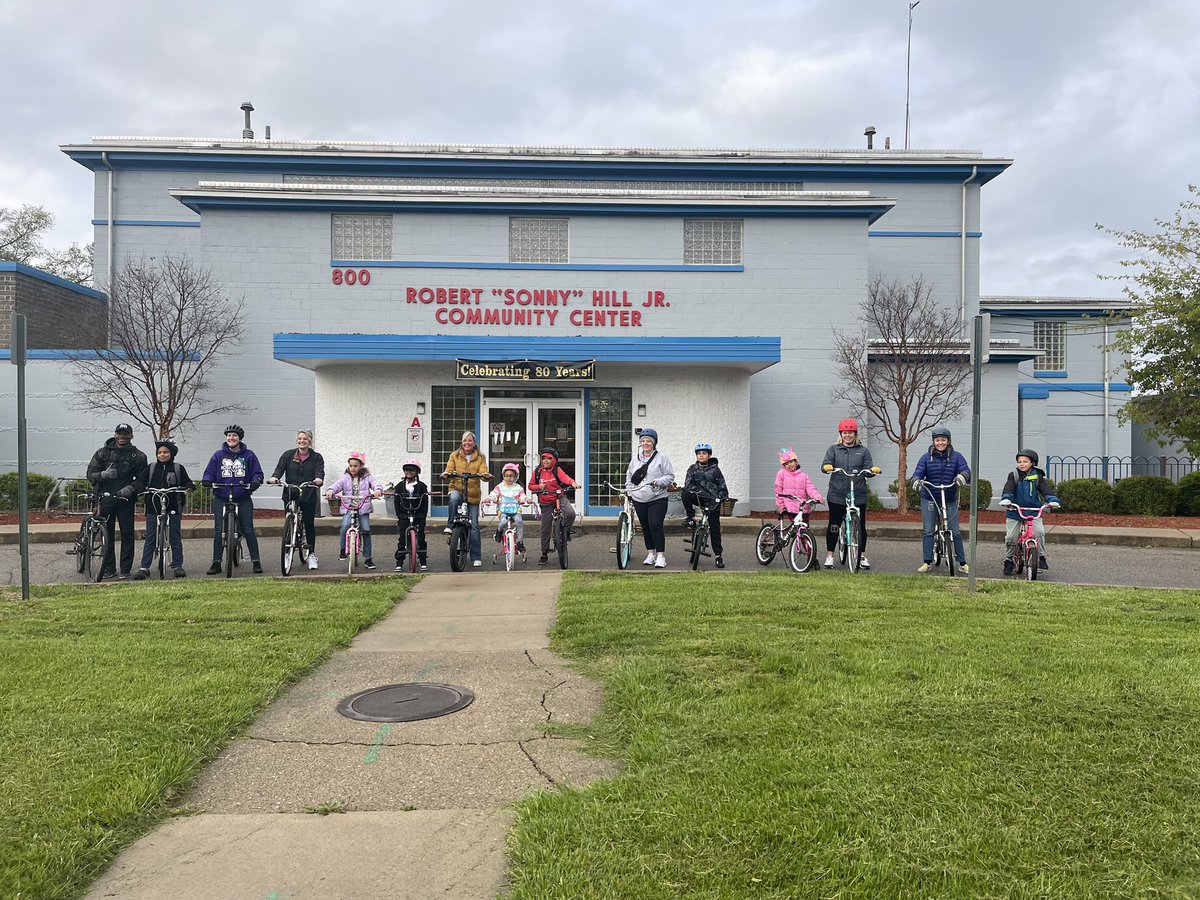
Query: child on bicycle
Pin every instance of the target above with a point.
(704, 477)
(941, 465)
(547, 478)
(412, 505)
(847, 454)
(164, 472)
(508, 496)
(1027, 487)
(357, 481)
(791, 479)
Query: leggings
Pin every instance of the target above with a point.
(837, 516)
(652, 515)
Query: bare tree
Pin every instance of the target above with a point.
(169, 323)
(906, 367)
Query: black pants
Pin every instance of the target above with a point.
(418, 519)
(120, 512)
(837, 516)
(714, 519)
(652, 515)
(308, 513)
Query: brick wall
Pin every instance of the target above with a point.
(58, 317)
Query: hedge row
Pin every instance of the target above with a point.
(1137, 495)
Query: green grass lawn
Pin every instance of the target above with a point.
(112, 698)
(831, 736)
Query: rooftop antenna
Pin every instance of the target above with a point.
(247, 132)
(913, 4)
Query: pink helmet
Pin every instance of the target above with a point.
(359, 455)
(412, 464)
(511, 467)
(786, 454)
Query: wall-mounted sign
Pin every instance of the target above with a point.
(544, 371)
(415, 442)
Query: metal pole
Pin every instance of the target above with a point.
(977, 349)
(18, 346)
(908, 70)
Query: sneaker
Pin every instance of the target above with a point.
(214, 569)
(520, 546)
(423, 567)
(343, 555)
(498, 537)
(660, 562)
(258, 570)
(829, 560)
(447, 530)
(477, 563)
(312, 561)
(124, 576)
(720, 563)
(1042, 564)
(399, 567)
(543, 559)
(370, 563)
(924, 567)
(1008, 566)
(864, 563)
(650, 557)
(180, 573)
(689, 523)
(141, 574)
(964, 568)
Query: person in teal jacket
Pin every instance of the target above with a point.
(1027, 487)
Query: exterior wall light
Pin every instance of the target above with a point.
(642, 410)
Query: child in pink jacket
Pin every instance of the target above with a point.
(356, 488)
(792, 480)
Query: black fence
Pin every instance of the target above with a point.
(1113, 468)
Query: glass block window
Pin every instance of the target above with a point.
(453, 413)
(1051, 339)
(712, 242)
(610, 442)
(538, 240)
(362, 237)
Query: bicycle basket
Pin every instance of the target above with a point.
(727, 506)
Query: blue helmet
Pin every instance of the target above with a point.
(700, 447)
(649, 433)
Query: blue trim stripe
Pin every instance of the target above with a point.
(55, 354)
(149, 223)
(554, 267)
(1049, 374)
(924, 234)
(1043, 391)
(409, 347)
(1089, 386)
(1032, 392)
(30, 271)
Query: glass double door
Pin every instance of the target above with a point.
(518, 428)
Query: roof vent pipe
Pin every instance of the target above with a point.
(870, 133)
(247, 131)
(887, 143)
(267, 134)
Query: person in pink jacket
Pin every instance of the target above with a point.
(356, 486)
(791, 479)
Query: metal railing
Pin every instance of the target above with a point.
(1113, 468)
(69, 496)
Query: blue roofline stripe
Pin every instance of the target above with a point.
(559, 267)
(149, 223)
(21, 268)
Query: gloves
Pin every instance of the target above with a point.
(204, 483)
(126, 492)
(916, 484)
(780, 510)
(255, 484)
(1006, 502)
(1054, 504)
(827, 468)
(109, 474)
(960, 479)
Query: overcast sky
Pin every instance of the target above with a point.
(1097, 102)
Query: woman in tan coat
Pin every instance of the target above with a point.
(467, 459)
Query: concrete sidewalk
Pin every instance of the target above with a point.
(426, 802)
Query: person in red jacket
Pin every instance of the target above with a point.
(545, 480)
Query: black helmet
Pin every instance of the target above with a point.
(171, 446)
(1033, 457)
(941, 431)
(549, 451)
(235, 429)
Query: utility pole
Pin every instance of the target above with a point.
(17, 357)
(913, 4)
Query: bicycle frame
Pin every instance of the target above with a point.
(849, 550)
(294, 538)
(699, 536)
(1028, 554)
(408, 508)
(943, 537)
(625, 526)
(159, 496)
(231, 525)
(352, 545)
(782, 538)
(461, 524)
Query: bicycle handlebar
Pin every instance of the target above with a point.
(865, 473)
(804, 500)
(1021, 510)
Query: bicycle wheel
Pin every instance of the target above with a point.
(948, 545)
(802, 553)
(560, 538)
(460, 548)
(352, 543)
(939, 546)
(231, 539)
(841, 545)
(510, 549)
(699, 539)
(854, 557)
(624, 540)
(412, 550)
(81, 546)
(287, 547)
(160, 541)
(97, 551)
(766, 544)
(1031, 561)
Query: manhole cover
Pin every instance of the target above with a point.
(405, 702)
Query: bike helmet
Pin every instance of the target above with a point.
(1033, 457)
(847, 425)
(786, 455)
(411, 464)
(511, 467)
(549, 451)
(359, 455)
(649, 433)
(700, 447)
(941, 431)
(235, 429)
(171, 446)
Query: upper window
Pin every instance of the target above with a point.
(538, 240)
(362, 237)
(1051, 339)
(712, 242)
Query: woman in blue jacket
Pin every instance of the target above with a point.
(941, 465)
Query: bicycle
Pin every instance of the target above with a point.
(1027, 556)
(943, 537)
(295, 538)
(794, 539)
(352, 545)
(849, 552)
(508, 535)
(230, 526)
(698, 539)
(625, 527)
(158, 497)
(460, 525)
(408, 507)
(92, 541)
(558, 530)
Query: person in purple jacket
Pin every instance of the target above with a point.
(941, 465)
(235, 473)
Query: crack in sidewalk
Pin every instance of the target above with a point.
(546, 693)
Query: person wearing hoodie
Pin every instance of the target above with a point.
(545, 481)
(116, 469)
(941, 465)
(851, 456)
(164, 472)
(235, 473)
(647, 479)
(1026, 487)
(791, 479)
(703, 482)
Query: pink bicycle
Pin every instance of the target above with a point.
(352, 545)
(1027, 555)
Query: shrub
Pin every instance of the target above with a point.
(40, 487)
(1187, 501)
(873, 501)
(985, 494)
(914, 497)
(1146, 495)
(1091, 495)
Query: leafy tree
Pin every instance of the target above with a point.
(22, 233)
(169, 324)
(73, 264)
(906, 366)
(1163, 341)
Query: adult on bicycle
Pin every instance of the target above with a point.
(545, 480)
(164, 472)
(1026, 487)
(298, 466)
(647, 478)
(850, 455)
(467, 460)
(234, 473)
(116, 469)
(703, 483)
(941, 465)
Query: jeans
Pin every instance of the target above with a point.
(568, 514)
(473, 515)
(929, 518)
(245, 514)
(364, 525)
(1012, 535)
(173, 535)
(502, 526)
(120, 513)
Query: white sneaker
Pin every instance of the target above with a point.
(477, 563)
(424, 568)
(924, 567)
(864, 563)
(312, 560)
(829, 561)
(650, 557)
(660, 562)
(447, 530)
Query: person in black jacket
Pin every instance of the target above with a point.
(705, 478)
(298, 466)
(115, 469)
(412, 503)
(164, 472)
